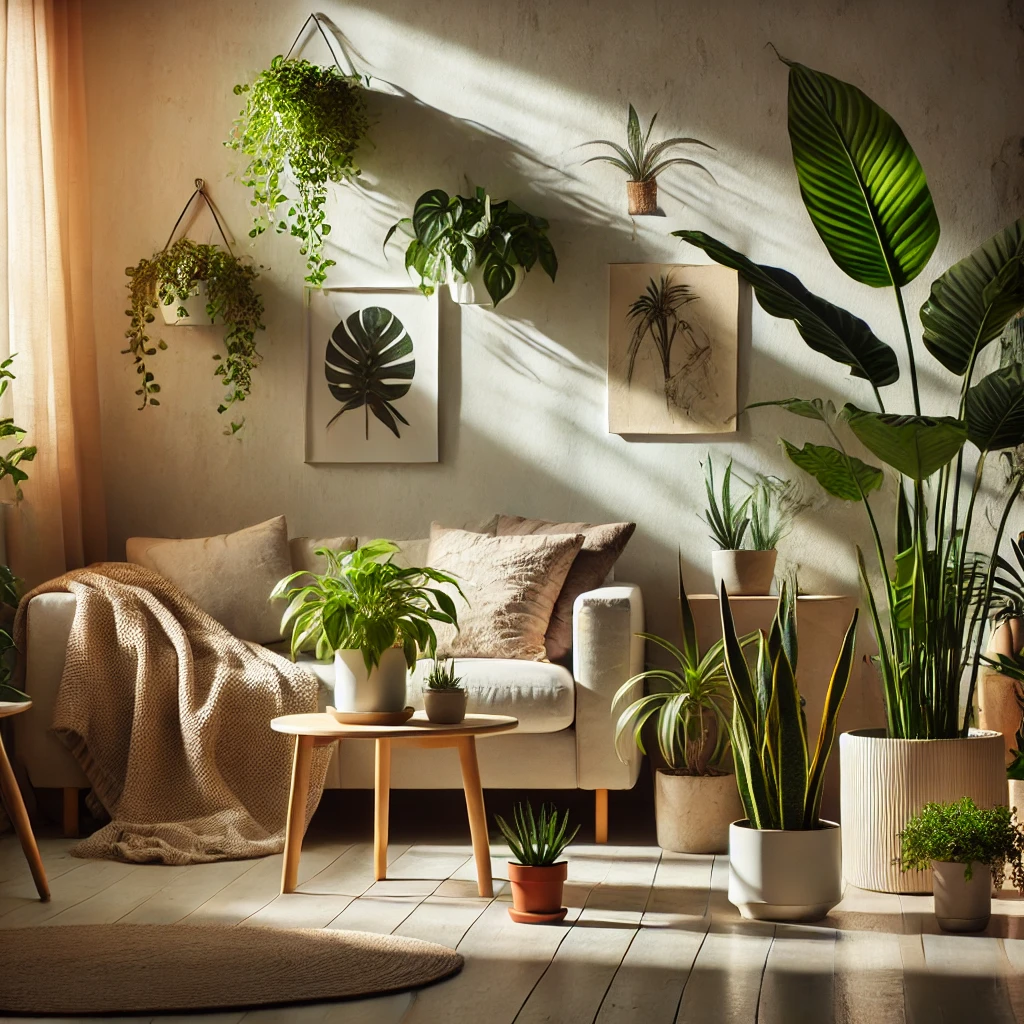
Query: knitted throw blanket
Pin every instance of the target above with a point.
(169, 716)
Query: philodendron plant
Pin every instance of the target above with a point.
(867, 197)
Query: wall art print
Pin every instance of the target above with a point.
(371, 375)
(672, 348)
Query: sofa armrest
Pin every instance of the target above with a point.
(47, 628)
(606, 652)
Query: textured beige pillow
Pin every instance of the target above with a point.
(601, 548)
(229, 576)
(511, 584)
(303, 551)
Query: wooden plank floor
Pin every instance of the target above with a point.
(650, 937)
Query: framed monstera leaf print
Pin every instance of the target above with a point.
(371, 375)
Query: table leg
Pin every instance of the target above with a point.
(477, 814)
(381, 803)
(19, 816)
(296, 826)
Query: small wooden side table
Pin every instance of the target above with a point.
(12, 800)
(321, 730)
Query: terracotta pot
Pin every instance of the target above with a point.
(693, 812)
(445, 707)
(643, 197)
(998, 710)
(744, 573)
(962, 906)
(537, 890)
(383, 689)
(777, 875)
(884, 782)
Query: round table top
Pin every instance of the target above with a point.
(325, 725)
(12, 707)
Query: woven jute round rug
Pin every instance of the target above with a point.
(93, 969)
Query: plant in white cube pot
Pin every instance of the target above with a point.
(785, 861)
(372, 616)
(444, 696)
(928, 599)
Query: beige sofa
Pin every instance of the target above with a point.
(564, 739)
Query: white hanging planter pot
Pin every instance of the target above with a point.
(383, 689)
(470, 291)
(693, 812)
(194, 306)
(744, 573)
(962, 905)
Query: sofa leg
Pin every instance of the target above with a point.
(70, 811)
(600, 815)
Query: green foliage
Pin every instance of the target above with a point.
(780, 780)
(728, 521)
(442, 676)
(774, 504)
(639, 158)
(536, 842)
(12, 462)
(301, 122)
(450, 235)
(867, 197)
(963, 833)
(171, 276)
(365, 602)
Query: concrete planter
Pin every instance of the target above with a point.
(962, 906)
(355, 689)
(693, 812)
(744, 573)
(884, 782)
(785, 876)
(445, 707)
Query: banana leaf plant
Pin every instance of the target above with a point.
(780, 780)
(866, 194)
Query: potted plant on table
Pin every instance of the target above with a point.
(444, 696)
(967, 849)
(785, 861)
(481, 250)
(371, 616)
(867, 197)
(742, 572)
(537, 875)
(695, 795)
(643, 162)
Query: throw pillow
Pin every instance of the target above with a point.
(229, 576)
(601, 548)
(304, 556)
(511, 584)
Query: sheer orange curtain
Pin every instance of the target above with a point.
(46, 289)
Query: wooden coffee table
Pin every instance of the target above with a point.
(321, 730)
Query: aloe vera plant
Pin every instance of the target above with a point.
(536, 842)
(780, 779)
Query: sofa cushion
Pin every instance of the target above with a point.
(303, 551)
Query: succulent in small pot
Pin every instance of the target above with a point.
(537, 875)
(968, 848)
(444, 696)
(643, 162)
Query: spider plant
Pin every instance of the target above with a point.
(536, 842)
(728, 522)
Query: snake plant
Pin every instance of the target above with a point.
(728, 521)
(536, 842)
(780, 779)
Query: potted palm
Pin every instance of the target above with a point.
(868, 199)
(444, 696)
(481, 250)
(967, 849)
(371, 616)
(537, 875)
(643, 162)
(695, 796)
(785, 861)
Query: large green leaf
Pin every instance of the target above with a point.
(431, 216)
(916, 446)
(843, 476)
(826, 328)
(861, 181)
(995, 409)
(971, 302)
(365, 366)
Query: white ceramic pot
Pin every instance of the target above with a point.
(445, 707)
(355, 689)
(194, 305)
(470, 291)
(785, 876)
(884, 782)
(744, 573)
(962, 906)
(693, 812)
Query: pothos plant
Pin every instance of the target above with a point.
(171, 276)
(453, 235)
(301, 124)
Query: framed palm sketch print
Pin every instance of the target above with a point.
(672, 348)
(371, 375)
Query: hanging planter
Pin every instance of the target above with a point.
(301, 124)
(196, 284)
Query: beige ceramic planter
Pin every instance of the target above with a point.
(744, 573)
(383, 689)
(693, 812)
(884, 782)
(445, 707)
(194, 306)
(962, 906)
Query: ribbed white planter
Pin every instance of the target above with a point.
(694, 812)
(744, 573)
(884, 782)
(383, 689)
